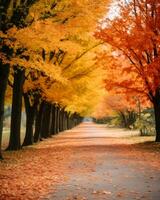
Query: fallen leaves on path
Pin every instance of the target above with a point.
(76, 198)
(102, 192)
(32, 172)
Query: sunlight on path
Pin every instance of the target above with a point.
(105, 166)
(89, 133)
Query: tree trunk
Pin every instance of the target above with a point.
(123, 119)
(50, 120)
(60, 120)
(30, 116)
(68, 121)
(38, 123)
(57, 120)
(53, 126)
(71, 121)
(65, 121)
(15, 142)
(157, 114)
(46, 121)
(4, 73)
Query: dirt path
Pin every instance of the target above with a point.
(89, 162)
(106, 165)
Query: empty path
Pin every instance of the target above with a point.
(107, 163)
(89, 162)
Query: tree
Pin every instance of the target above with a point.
(44, 46)
(11, 13)
(136, 38)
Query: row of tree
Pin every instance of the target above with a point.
(47, 65)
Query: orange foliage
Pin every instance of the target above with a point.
(136, 38)
(54, 48)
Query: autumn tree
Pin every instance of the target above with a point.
(12, 13)
(46, 31)
(136, 38)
